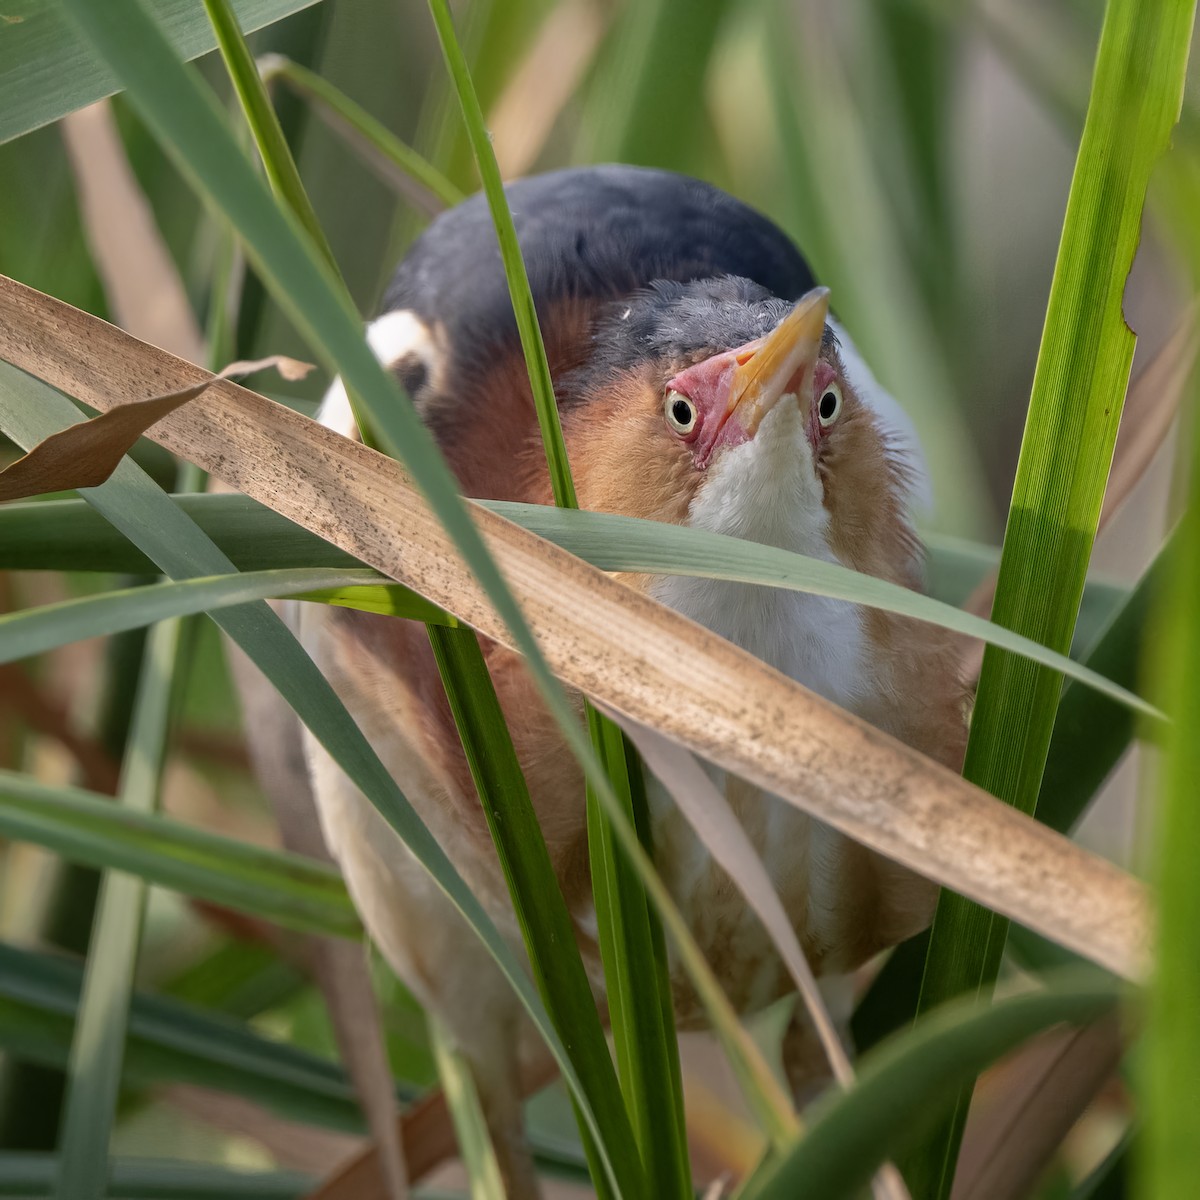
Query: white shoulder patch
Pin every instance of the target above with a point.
(391, 337)
(895, 420)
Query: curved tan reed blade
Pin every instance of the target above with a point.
(612, 643)
(716, 825)
(85, 455)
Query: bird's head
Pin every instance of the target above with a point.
(718, 405)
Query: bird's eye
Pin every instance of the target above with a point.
(829, 407)
(680, 413)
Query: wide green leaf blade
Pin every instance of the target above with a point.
(542, 912)
(34, 631)
(38, 536)
(291, 890)
(1171, 1154)
(171, 1041)
(47, 70)
(1078, 392)
(1091, 733)
(31, 1175)
(908, 1082)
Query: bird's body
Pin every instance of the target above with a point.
(661, 300)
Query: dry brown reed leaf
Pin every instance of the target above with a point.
(612, 643)
(85, 455)
(1011, 1138)
(716, 825)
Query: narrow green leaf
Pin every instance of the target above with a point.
(32, 1175)
(264, 125)
(170, 1041)
(389, 600)
(94, 1070)
(275, 154)
(47, 70)
(43, 535)
(636, 972)
(1078, 392)
(1091, 733)
(1170, 1158)
(289, 889)
(466, 1111)
(360, 128)
(644, 1031)
(34, 631)
(905, 1085)
(546, 924)
(530, 332)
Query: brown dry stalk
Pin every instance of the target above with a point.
(614, 644)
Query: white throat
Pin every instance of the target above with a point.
(766, 490)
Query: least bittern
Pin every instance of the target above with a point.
(700, 382)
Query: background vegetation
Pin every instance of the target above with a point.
(921, 153)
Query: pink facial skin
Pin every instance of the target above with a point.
(707, 385)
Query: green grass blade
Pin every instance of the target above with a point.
(541, 910)
(41, 535)
(1091, 733)
(534, 348)
(47, 70)
(360, 127)
(94, 1070)
(1170, 1157)
(274, 153)
(466, 1111)
(907, 1083)
(169, 1041)
(34, 631)
(1078, 392)
(639, 1005)
(289, 889)
(643, 1021)
(264, 125)
(31, 1175)
(389, 600)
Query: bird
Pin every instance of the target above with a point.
(701, 381)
